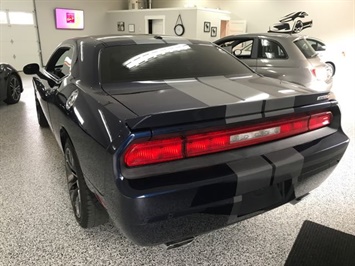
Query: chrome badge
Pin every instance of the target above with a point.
(254, 134)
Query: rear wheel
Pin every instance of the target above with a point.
(87, 210)
(331, 68)
(14, 89)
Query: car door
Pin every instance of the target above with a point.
(244, 49)
(56, 71)
(272, 59)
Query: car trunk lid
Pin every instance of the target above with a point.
(175, 102)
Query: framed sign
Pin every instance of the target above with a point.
(213, 31)
(206, 26)
(131, 28)
(120, 26)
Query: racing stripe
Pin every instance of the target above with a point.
(288, 164)
(252, 174)
(280, 103)
(253, 108)
(176, 40)
(280, 112)
(203, 92)
(161, 98)
(239, 90)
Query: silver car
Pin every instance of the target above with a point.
(322, 51)
(282, 56)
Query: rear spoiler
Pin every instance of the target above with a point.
(232, 113)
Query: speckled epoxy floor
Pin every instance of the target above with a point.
(37, 226)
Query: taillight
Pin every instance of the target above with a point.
(320, 120)
(314, 72)
(320, 73)
(236, 138)
(163, 150)
(155, 151)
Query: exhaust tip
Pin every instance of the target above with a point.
(180, 243)
(295, 201)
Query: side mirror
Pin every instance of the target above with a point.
(31, 69)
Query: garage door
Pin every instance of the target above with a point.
(19, 43)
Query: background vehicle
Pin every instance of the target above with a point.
(321, 49)
(281, 56)
(10, 84)
(171, 148)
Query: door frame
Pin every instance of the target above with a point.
(146, 21)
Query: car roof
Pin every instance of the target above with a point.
(272, 35)
(113, 40)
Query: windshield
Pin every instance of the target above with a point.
(166, 61)
(305, 48)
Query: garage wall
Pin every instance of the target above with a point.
(333, 21)
(95, 20)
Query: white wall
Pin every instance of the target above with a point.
(193, 20)
(95, 19)
(333, 21)
(138, 18)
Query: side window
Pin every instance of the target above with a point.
(227, 46)
(316, 45)
(60, 63)
(243, 49)
(313, 44)
(271, 50)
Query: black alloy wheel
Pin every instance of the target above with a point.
(14, 89)
(87, 210)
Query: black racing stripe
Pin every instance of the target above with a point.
(204, 93)
(156, 101)
(263, 109)
(273, 169)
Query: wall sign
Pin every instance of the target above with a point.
(120, 26)
(206, 26)
(213, 31)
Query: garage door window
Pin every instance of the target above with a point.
(21, 18)
(3, 17)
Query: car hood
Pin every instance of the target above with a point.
(194, 99)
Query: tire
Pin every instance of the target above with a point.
(87, 210)
(14, 89)
(331, 68)
(42, 120)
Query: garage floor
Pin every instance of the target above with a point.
(37, 226)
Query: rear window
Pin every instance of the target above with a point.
(166, 61)
(305, 48)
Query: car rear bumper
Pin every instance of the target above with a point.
(173, 207)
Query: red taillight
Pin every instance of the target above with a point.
(314, 72)
(320, 120)
(157, 151)
(247, 136)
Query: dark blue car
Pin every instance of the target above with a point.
(172, 138)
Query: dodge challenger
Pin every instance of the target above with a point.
(171, 138)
